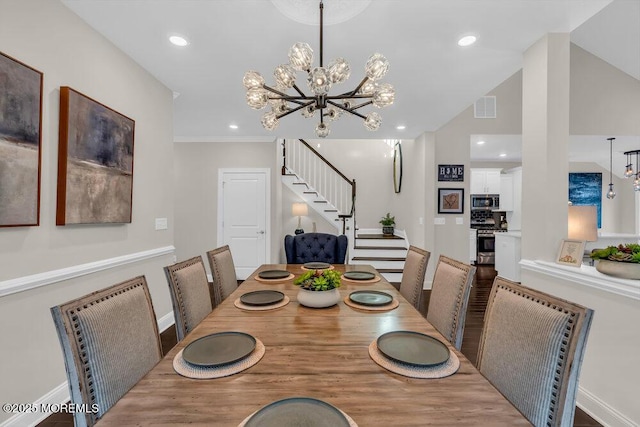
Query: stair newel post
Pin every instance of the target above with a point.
(284, 157)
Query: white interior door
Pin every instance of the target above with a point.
(243, 217)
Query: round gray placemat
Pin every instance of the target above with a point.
(284, 279)
(374, 280)
(198, 372)
(450, 367)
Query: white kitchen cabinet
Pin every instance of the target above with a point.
(506, 192)
(514, 216)
(485, 181)
(508, 255)
(472, 244)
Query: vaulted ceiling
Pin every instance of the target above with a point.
(435, 79)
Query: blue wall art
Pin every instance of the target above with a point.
(585, 188)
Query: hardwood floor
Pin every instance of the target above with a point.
(473, 327)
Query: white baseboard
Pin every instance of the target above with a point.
(60, 394)
(601, 411)
(25, 283)
(56, 396)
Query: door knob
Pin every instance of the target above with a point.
(260, 232)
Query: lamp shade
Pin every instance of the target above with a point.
(299, 209)
(583, 223)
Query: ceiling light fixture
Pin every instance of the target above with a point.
(481, 142)
(503, 154)
(611, 194)
(467, 41)
(232, 126)
(629, 172)
(320, 80)
(401, 127)
(178, 40)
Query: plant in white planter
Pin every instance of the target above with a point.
(388, 224)
(318, 288)
(620, 261)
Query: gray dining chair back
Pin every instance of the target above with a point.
(109, 341)
(531, 350)
(412, 282)
(449, 298)
(223, 272)
(190, 294)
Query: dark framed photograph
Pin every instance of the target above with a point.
(95, 162)
(450, 200)
(451, 173)
(20, 142)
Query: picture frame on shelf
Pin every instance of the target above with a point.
(571, 252)
(95, 162)
(450, 200)
(20, 143)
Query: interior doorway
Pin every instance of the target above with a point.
(244, 204)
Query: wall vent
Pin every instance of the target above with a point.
(485, 108)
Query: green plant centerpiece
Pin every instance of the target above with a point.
(388, 223)
(620, 261)
(318, 288)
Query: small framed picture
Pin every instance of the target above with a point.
(450, 200)
(571, 252)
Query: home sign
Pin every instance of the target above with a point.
(451, 173)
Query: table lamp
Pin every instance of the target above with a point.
(299, 210)
(583, 223)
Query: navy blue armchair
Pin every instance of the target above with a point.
(315, 247)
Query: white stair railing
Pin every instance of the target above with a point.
(319, 174)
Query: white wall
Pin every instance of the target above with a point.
(47, 36)
(196, 191)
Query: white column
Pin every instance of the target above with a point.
(545, 141)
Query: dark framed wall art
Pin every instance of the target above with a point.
(450, 200)
(20, 143)
(95, 162)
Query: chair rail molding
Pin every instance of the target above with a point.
(46, 278)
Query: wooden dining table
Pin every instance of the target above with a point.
(318, 353)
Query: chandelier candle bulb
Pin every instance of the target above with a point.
(320, 81)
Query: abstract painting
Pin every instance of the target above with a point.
(20, 141)
(95, 162)
(585, 188)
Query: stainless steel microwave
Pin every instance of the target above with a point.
(485, 202)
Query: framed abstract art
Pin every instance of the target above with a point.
(20, 143)
(95, 162)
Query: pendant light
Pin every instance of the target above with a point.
(611, 194)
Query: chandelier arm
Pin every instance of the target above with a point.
(364, 80)
(348, 110)
(364, 104)
(279, 116)
(348, 96)
(295, 86)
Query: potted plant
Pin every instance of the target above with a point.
(318, 288)
(388, 223)
(620, 261)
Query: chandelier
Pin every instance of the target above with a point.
(320, 80)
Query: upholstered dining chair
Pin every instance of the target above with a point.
(531, 350)
(224, 273)
(315, 247)
(109, 341)
(449, 298)
(190, 294)
(412, 282)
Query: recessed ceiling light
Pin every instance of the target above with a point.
(467, 41)
(480, 142)
(401, 127)
(232, 126)
(503, 154)
(178, 40)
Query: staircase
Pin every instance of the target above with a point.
(386, 253)
(332, 195)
